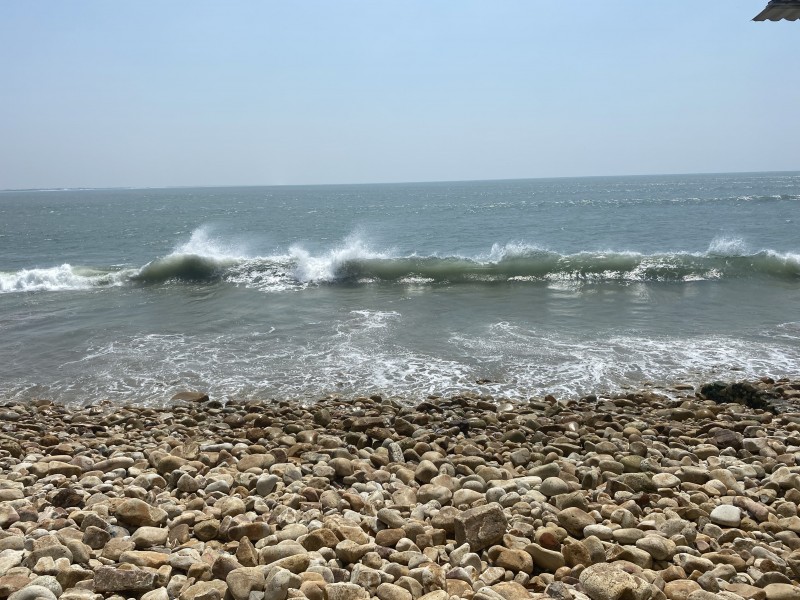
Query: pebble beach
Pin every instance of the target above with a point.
(686, 493)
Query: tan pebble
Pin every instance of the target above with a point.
(680, 589)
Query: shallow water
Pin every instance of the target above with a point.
(558, 286)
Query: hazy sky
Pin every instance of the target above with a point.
(100, 93)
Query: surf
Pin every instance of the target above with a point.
(204, 259)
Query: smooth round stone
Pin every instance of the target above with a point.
(782, 591)
(33, 592)
(666, 480)
(600, 531)
(265, 484)
(49, 582)
(553, 486)
(658, 547)
(628, 536)
(546, 559)
(726, 515)
(429, 491)
(574, 520)
(680, 589)
(466, 496)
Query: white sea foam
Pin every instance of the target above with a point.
(207, 257)
(61, 278)
(516, 249)
(366, 351)
(204, 243)
(725, 246)
(527, 361)
(328, 266)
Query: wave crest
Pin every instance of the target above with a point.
(183, 267)
(204, 259)
(60, 278)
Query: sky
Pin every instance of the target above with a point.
(196, 93)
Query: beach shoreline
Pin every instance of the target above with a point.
(632, 495)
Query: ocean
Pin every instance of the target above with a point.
(514, 288)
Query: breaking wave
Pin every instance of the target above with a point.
(204, 260)
(63, 277)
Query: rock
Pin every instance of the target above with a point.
(244, 580)
(576, 553)
(345, 591)
(252, 531)
(388, 591)
(48, 581)
(205, 590)
(230, 506)
(638, 482)
(144, 558)
(782, 591)
(607, 582)
(548, 560)
(189, 396)
(12, 583)
(10, 559)
(341, 467)
(680, 589)
(278, 583)
(659, 548)
(206, 530)
(517, 561)
(8, 515)
(666, 480)
(187, 484)
(266, 484)
(111, 579)
(138, 513)
(428, 492)
(726, 515)
(350, 552)
(385, 537)
(480, 527)
(435, 595)
(425, 471)
(743, 393)
(147, 537)
(96, 538)
(510, 590)
(156, 594)
(33, 592)
(558, 591)
(325, 538)
(116, 547)
(553, 486)
(575, 520)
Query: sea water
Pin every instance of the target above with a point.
(512, 288)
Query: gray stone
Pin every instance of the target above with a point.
(726, 515)
(481, 527)
(553, 486)
(111, 579)
(33, 592)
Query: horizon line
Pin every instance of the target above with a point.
(365, 183)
